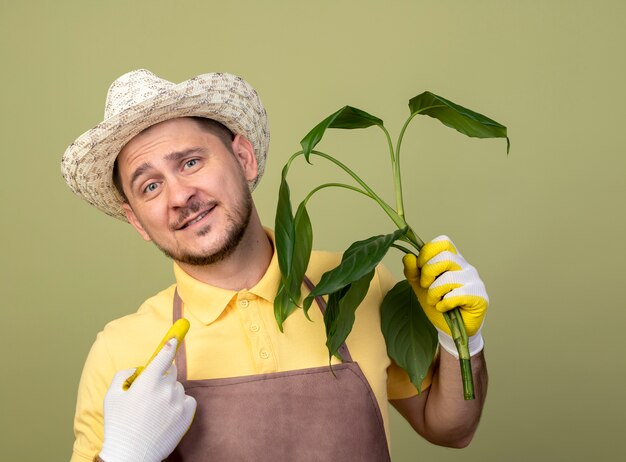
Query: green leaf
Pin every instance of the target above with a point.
(285, 235)
(464, 120)
(410, 337)
(294, 241)
(347, 117)
(358, 260)
(303, 244)
(283, 305)
(284, 227)
(339, 315)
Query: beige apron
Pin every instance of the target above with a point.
(301, 415)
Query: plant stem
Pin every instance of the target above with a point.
(395, 172)
(397, 177)
(406, 124)
(398, 220)
(401, 248)
(457, 328)
(338, 185)
(414, 239)
(389, 143)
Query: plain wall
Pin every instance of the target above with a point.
(544, 225)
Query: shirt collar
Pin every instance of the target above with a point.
(208, 302)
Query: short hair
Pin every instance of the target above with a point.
(209, 125)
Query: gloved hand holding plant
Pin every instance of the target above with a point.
(411, 340)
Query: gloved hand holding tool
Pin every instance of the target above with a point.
(443, 280)
(144, 423)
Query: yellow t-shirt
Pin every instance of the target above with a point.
(235, 334)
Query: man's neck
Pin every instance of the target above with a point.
(242, 269)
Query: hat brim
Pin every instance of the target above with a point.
(87, 163)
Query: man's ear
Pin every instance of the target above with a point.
(244, 153)
(132, 219)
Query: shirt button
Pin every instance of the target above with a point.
(254, 327)
(244, 303)
(264, 354)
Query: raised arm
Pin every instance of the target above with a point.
(442, 279)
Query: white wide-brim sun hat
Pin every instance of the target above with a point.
(140, 99)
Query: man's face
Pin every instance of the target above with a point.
(187, 191)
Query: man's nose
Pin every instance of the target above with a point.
(180, 192)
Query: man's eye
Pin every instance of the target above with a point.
(191, 163)
(151, 187)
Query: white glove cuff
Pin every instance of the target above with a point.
(476, 343)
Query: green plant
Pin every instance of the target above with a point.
(411, 339)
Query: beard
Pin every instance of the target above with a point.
(237, 222)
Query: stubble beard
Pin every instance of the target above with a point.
(236, 224)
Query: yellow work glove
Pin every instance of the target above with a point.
(442, 280)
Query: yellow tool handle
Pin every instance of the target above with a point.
(178, 331)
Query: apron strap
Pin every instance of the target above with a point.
(181, 355)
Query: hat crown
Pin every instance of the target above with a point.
(133, 88)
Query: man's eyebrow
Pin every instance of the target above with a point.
(177, 155)
(138, 172)
(173, 156)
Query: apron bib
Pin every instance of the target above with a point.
(301, 415)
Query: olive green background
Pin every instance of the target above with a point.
(545, 225)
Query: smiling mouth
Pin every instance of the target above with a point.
(195, 220)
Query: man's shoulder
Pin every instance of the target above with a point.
(129, 340)
(156, 309)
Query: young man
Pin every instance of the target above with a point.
(179, 162)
